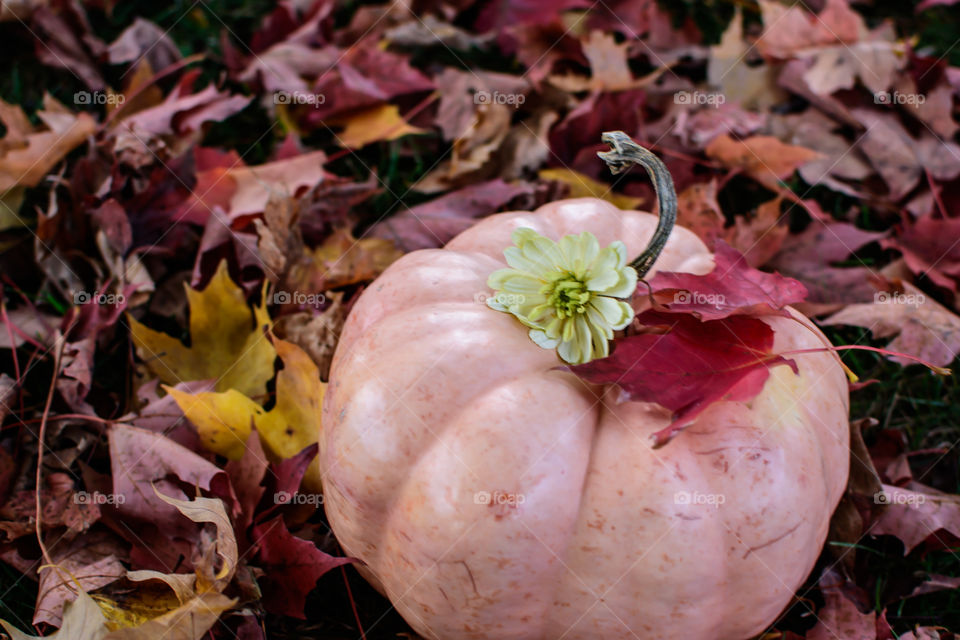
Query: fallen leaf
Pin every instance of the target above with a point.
(82, 620)
(373, 125)
(914, 516)
(582, 186)
(790, 29)
(436, 222)
(27, 155)
(211, 510)
(763, 158)
(759, 236)
(293, 566)
(141, 461)
(809, 257)
(839, 616)
(699, 211)
(927, 330)
(228, 342)
(224, 420)
(690, 367)
(144, 40)
(731, 288)
(86, 563)
(929, 247)
(343, 260)
(752, 86)
(191, 621)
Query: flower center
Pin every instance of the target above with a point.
(567, 294)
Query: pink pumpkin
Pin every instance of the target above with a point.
(491, 495)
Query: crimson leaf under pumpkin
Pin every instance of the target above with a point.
(690, 366)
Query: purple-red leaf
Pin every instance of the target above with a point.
(691, 366)
(733, 288)
(292, 565)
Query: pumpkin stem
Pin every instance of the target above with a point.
(626, 153)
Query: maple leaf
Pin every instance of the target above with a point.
(929, 247)
(293, 566)
(228, 342)
(808, 256)
(763, 158)
(383, 122)
(927, 330)
(691, 366)
(732, 288)
(582, 186)
(224, 420)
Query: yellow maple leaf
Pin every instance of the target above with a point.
(582, 186)
(370, 125)
(228, 343)
(224, 420)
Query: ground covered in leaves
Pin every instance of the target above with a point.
(193, 195)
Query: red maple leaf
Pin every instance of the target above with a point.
(732, 288)
(690, 366)
(292, 566)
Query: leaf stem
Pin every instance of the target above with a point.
(625, 153)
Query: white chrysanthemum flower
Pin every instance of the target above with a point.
(566, 292)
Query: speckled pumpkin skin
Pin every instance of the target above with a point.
(436, 401)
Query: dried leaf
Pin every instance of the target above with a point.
(582, 186)
(27, 155)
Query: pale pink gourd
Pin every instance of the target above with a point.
(435, 399)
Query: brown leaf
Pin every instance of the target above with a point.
(699, 211)
(27, 155)
(763, 158)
